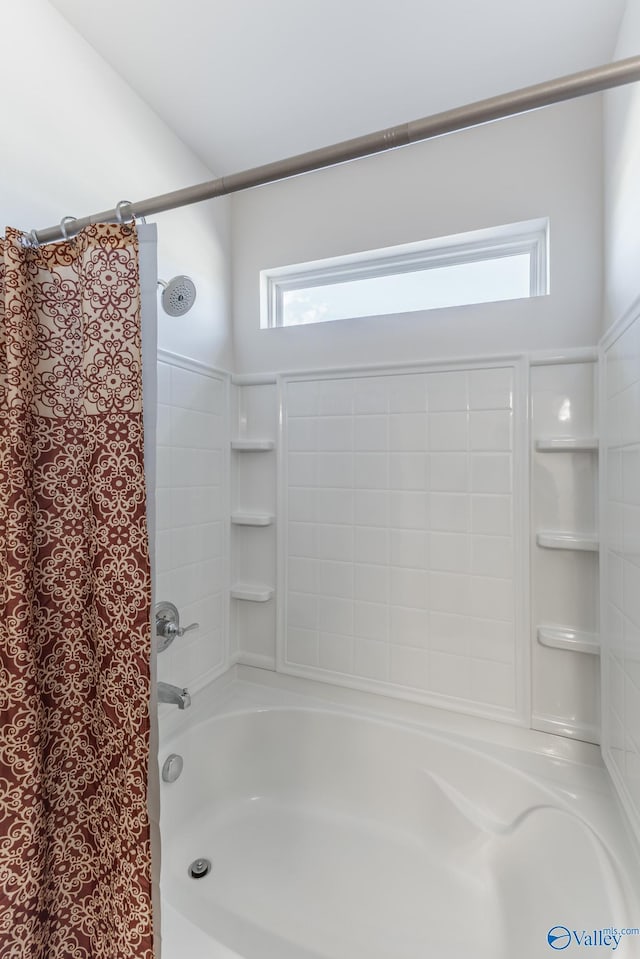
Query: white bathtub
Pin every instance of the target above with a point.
(336, 835)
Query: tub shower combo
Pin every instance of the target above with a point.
(380, 727)
(367, 769)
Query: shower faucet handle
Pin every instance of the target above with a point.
(170, 630)
(168, 625)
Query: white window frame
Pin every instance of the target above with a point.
(530, 236)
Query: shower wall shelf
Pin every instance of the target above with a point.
(251, 593)
(252, 519)
(556, 539)
(252, 446)
(567, 444)
(575, 640)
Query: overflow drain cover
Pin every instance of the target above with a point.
(199, 868)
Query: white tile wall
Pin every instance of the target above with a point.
(399, 545)
(192, 515)
(620, 556)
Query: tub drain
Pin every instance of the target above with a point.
(199, 868)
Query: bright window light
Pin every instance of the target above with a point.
(502, 263)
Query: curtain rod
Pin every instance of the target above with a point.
(544, 94)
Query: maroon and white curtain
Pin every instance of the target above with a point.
(75, 598)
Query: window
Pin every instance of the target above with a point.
(501, 263)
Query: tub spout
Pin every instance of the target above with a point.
(173, 694)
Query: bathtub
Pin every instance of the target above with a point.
(337, 832)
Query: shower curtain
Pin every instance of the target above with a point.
(75, 601)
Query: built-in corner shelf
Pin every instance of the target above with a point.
(556, 539)
(251, 593)
(252, 519)
(252, 446)
(567, 444)
(575, 640)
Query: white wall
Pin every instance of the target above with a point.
(622, 186)
(620, 442)
(620, 560)
(402, 535)
(546, 163)
(192, 497)
(77, 139)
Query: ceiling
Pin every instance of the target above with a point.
(244, 82)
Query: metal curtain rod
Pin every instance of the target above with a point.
(462, 118)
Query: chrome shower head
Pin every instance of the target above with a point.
(178, 295)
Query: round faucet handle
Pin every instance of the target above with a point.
(168, 625)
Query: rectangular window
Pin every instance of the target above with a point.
(500, 263)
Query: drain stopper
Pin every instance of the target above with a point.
(199, 868)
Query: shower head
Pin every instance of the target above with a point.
(178, 295)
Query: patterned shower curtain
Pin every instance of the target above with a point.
(75, 598)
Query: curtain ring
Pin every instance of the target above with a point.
(30, 240)
(119, 216)
(63, 225)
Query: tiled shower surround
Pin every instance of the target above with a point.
(620, 559)
(378, 529)
(192, 517)
(400, 552)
